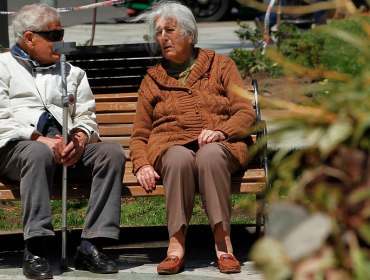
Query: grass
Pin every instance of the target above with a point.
(140, 211)
(267, 84)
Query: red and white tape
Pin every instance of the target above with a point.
(70, 9)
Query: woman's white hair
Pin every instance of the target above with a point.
(166, 10)
(34, 17)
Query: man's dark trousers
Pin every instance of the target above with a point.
(32, 163)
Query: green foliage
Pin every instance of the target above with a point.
(86, 43)
(334, 46)
(146, 38)
(248, 61)
(144, 211)
(267, 84)
(329, 177)
(7, 220)
(246, 32)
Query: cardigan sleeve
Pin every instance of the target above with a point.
(142, 130)
(241, 110)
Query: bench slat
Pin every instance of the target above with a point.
(117, 89)
(250, 175)
(117, 97)
(113, 107)
(109, 51)
(115, 130)
(108, 82)
(116, 118)
(117, 63)
(133, 191)
(124, 141)
(127, 72)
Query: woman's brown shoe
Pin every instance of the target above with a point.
(171, 265)
(228, 264)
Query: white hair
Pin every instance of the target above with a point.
(166, 10)
(34, 17)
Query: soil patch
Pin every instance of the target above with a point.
(286, 88)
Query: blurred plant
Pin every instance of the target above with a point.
(320, 226)
(248, 61)
(246, 32)
(333, 46)
(86, 43)
(146, 38)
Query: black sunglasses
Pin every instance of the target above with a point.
(52, 35)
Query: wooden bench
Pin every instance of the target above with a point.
(115, 73)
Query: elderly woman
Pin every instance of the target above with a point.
(189, 131)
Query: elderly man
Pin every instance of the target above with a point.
(31, 147)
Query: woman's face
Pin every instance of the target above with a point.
(175, 46)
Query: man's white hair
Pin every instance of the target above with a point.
(166, 10)
(34, 17)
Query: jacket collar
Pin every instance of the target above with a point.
(204, 60)
(17, 52)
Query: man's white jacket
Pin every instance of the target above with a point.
(27, 91)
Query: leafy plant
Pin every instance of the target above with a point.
(246, 32)
(320, 227)
(248, 61)
(337, 46)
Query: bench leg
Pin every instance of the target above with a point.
(258, 218)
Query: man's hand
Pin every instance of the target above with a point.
(209, 136)
(146, 177)
(75, 148)
(56, 145)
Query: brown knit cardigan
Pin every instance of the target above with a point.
(172, 113)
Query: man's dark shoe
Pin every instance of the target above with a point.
(96, 262)
(36, 268)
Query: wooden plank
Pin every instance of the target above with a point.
(118, 89)
(114, 107)
(116, 97)
(115, 130)
(4, 50)
(122, 118)
(111, 51)
(118, 63)
(133, 191)
(250, 175)
(115, 72)
(124, 141)
(108, 82)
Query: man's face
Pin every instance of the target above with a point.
(43, 48)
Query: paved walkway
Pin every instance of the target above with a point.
(137, 255)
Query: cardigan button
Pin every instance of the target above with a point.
(190, 92)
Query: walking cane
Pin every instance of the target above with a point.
(63, 47)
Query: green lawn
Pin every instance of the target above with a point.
(141, 211)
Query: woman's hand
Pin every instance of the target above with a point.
(146, 177)
(210, 136)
